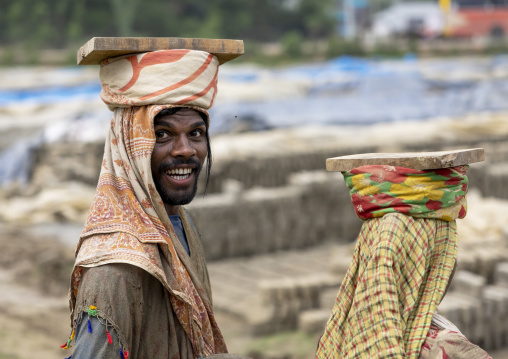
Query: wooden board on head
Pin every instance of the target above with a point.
(413, 160)
(97, 49)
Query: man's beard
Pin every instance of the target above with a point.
(176, 198)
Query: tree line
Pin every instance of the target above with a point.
(62, 23)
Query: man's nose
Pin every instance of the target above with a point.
(182, 147)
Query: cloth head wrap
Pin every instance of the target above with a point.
(167, 77)
(377, 190)
(402, 263)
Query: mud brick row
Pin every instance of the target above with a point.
(313, 321)
(495, 181)
(274, 169)
(314, 208)
(483, 260)
(61, 162)
(287, 299)
(496, 311)
(480, 310)
(501, 275)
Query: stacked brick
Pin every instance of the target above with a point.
(479, 309)
(314, 208)
(276, 203)
(296, 291)
(62, 162)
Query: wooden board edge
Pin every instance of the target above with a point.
(447, 160)
(85, 50)
(97, 49)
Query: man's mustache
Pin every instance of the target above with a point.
(193, 163)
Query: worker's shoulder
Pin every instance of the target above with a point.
(115, 284)
(114, 274)
(189, 214)
(191, 218)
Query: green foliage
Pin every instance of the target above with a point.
(300, 27)
(292, 43)
(212, 26)
(8, 57)
(390, 49)
(338, 47)
(124, 13)
(61, 23)
(318, 17)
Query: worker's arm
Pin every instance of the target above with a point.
(92, 341)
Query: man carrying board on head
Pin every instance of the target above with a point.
(404, 259)
(140, 285)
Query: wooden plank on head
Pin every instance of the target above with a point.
(414, 160)
(100, 48)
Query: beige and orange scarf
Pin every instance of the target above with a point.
(137, 88)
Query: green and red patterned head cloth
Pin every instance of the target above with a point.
(377, 190)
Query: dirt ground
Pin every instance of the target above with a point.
(34, 315)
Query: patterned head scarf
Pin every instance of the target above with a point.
(177, 77)
(402, 262)
(377, 190)
(127, 222)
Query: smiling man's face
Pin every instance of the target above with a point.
(178, 155)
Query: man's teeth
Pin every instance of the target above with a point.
(179, 173)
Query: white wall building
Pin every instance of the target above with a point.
(422, 19)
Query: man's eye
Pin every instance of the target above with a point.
(161, 134)
(196, 133)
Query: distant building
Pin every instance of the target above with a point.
(448, 18)
(477, 18)
(419, 19)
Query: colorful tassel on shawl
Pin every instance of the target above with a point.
(92, 311)
(69, 357)
(124, 354)
(71, 338)
(110, 341)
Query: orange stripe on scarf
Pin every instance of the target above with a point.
(151, 58)
(213, 84)
(181, 83)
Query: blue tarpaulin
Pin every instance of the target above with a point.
(342, 91)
